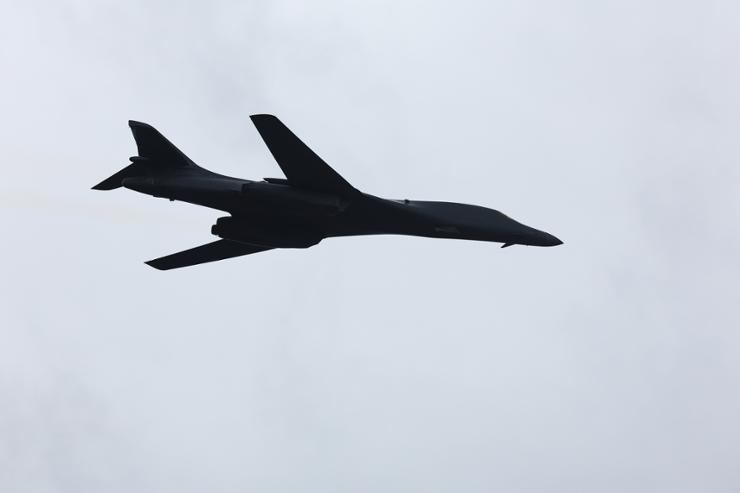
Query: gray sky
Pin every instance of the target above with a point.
(609, 364)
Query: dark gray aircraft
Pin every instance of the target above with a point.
(312, 203)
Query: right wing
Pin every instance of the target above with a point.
(302, 167)
(210, 252)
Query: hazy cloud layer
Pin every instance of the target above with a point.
(389, 363)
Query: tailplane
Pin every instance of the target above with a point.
(113, 182)
(156, 155)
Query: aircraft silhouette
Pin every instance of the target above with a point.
(313, 202)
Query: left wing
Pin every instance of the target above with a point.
(210, 252)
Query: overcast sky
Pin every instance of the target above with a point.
(393, 364)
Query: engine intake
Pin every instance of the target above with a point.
(268, 235)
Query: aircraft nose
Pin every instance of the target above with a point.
(541, 238)
(550, 240)
(527, 235)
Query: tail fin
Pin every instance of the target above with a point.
(156, 148)
(155, 153)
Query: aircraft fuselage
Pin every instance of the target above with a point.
(299, 218)
(311, 203)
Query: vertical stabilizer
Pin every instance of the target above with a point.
(156, 154)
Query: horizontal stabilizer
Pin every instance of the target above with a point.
(302, 167)
(115, 181)
(210, 252)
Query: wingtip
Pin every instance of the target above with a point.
(262, 116)
(135, 123)
(107, 184)
(154, 264)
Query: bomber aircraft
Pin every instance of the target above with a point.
(311, 203)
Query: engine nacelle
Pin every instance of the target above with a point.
(275, 236)
(284, 199)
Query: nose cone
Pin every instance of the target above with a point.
(535, 237)
(550, 240)
(521, 234)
